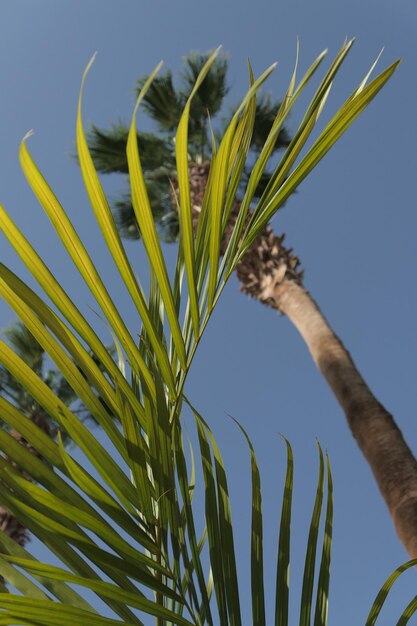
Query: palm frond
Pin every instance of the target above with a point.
(266, 112)
(212, 90)
(25, 345)
(108, 149)
(162, 102)
(208, 98)
(160, 199)
(119, 515)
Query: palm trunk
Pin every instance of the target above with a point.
(271, 273)
(379, 438)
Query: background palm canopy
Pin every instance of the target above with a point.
(164, 104)
(33, 354)
(120, 517)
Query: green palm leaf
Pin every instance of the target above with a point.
(58, 589)
(187, 236)
(147, 226)
(409, 611)
(111, 235)
(257, 561)
(283, 560)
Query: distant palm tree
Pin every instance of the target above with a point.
(269, 271)
(13, 392)
(164, 103)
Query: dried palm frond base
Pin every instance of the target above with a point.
(268, 259)
(13, 528)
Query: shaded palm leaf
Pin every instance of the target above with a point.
(108, 149)
(213, 89)
(26, 346)
(208, 99)
(265, 115)
(160, 198)
(162, 102)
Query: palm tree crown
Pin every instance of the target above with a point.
(164, 103)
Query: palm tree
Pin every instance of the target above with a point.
(121, 520)
(265, 276)
(164, 104)
(267, 262)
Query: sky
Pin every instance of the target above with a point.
(353, 224)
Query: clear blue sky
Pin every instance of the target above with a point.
(353, 224)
